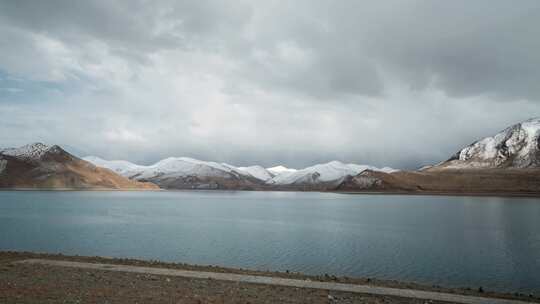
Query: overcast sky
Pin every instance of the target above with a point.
(397, 83)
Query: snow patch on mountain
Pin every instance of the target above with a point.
(280, 169)
(3, 165)
(258, 172)
(30, 151)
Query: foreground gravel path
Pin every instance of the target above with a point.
(38, 283)
(276, 281)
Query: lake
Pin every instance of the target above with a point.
(447, 241)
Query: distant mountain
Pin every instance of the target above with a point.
(517, 146)
(41, 166)
(325, 176)
(186, 173)
(189, 173)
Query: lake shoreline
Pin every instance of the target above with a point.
(7, 258)
(444, 193)
(392, 192)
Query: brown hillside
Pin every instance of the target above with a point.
(56, 168)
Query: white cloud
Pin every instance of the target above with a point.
(257, 81)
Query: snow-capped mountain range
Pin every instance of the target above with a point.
(331, 173)
(512, 155)
(517, 146)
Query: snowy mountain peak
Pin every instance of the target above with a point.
(30, 151)
(172, 167)
(517, 146)
(190, 166)
(280, 169)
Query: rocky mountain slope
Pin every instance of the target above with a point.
(517, 146)
(41, 166)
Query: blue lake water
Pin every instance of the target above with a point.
(448, 241)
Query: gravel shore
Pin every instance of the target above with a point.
(47, 284)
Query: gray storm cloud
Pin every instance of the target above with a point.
(402, 83)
